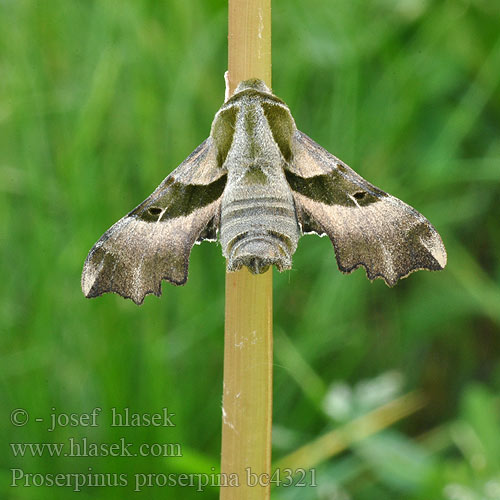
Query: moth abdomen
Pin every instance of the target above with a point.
(259, 233)
(257, 251)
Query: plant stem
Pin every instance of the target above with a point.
(247, 401)
(249, 41)
(247, 394)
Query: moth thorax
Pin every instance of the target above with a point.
(258, 233)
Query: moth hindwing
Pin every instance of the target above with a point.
(258, 184)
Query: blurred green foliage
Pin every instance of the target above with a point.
(100, 100)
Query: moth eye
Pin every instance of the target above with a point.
(155, 211)
(359, 195)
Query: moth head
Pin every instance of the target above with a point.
(253, 83)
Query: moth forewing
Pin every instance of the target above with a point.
(367, 226)
(153, 242)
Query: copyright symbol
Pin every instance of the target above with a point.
(19, 417)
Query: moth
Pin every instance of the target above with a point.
(257, 184)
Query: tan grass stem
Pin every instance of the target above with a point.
(247, 393)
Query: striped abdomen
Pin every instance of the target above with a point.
(258, 232)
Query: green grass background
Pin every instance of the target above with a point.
(100, 100)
